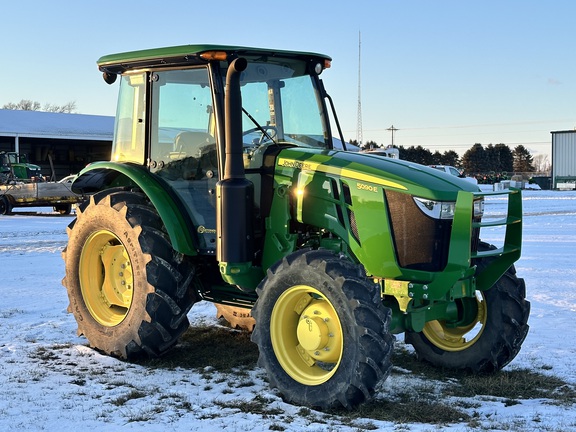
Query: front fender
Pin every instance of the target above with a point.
(103, 175)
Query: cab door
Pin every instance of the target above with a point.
(183, 145)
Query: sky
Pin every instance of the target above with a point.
(447, 74)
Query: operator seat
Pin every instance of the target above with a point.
(190, 143)
(194, 156)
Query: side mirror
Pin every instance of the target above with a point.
(109, 78)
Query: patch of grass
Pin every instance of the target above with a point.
(259, 405)
(509, 385)
(9, 313)
(408, 409)
(50, 354)
(144, 415)
(44, 354)
(222, 349)
(516, 384)
(132, 394)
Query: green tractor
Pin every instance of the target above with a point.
(15, 166)
(225, 186)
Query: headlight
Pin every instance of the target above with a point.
(445, 209)
(436, 209)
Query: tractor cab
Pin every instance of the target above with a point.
(172, 122)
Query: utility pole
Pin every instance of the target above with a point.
(359, 137)
(392, 129)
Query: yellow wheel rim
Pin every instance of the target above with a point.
(106, 278)
(306, 335)
(458, 338)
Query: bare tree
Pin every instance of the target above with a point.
(24, 105)
(70, 107)
(541, 163)
(29, 105)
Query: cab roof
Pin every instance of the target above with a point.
(189, 55)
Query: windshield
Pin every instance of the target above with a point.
(281, 105)
(15, 158)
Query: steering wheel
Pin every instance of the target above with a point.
(271, 133)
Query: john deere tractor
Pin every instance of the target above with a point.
(225, 186)
(15, 167)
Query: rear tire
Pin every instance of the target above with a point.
(322, 331)
(501, 327)
(128, 289)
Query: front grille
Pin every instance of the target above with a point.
(351, 215)
(421, 242)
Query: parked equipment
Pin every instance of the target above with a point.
(23, 185)
(15, 167)
(224, 186)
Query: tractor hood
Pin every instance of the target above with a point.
(31, 167)
(416, 179)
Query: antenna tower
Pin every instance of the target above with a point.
(359, 137)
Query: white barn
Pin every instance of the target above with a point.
(71, 140)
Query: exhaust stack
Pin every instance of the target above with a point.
(235, 193)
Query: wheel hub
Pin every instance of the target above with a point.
(118, 281)
(106, 278)
(307, 335)
(312, 333)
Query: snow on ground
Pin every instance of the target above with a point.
(50, 380)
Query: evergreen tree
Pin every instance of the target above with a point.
(505, 158)
(492, 158)
(402, 152)
(523, 161)
(450, 157)
(475, 160)
(499, 158)
(416, 154)
(437, 158)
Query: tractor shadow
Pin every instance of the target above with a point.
(220, 348)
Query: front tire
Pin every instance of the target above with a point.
(63, 209)
(488, 343)
(128, 289)
(322, 331)
(5, 205)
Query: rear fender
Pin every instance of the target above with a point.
(104, 175)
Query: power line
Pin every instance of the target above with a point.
(529, 122)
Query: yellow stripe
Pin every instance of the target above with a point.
(341, 172)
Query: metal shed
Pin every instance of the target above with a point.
(564, 159)
(70, 141)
